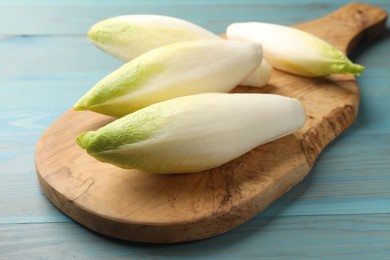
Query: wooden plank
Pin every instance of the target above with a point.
(375, 91)
(350, 177)
(52, 58)
(75, 17)
(319, 237)
(47, 75)
(21, 200)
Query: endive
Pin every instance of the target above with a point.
(293, 50)
(170, 71)
(128, 36)
(193, 133)
(260, 77)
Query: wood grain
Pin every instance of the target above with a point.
(165, 209)
(49, 18)
(367, 237)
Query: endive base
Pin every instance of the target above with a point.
(131, 205)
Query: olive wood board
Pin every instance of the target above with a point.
(136, 206)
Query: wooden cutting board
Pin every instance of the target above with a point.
(132, 205)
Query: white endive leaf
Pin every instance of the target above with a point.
(260, 77)
(293, 50)
(194, 133)
(126, 37)
(170, 71)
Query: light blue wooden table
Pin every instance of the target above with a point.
(340, 211)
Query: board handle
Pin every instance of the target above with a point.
(349, 26)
